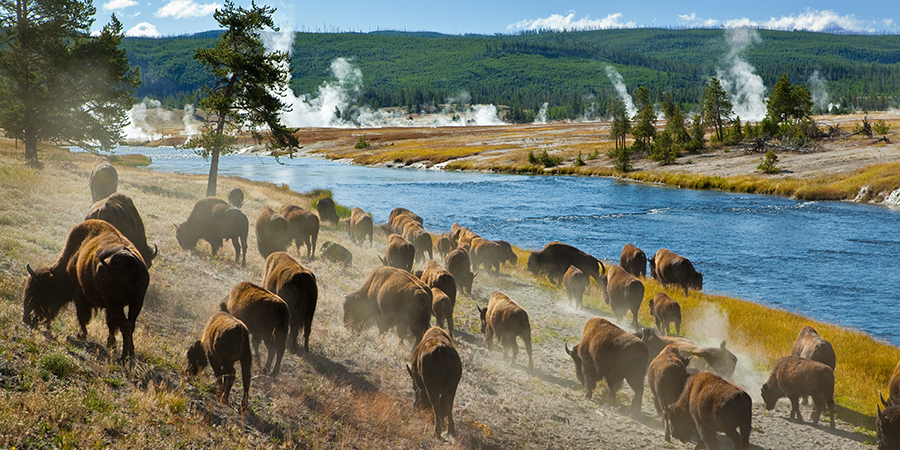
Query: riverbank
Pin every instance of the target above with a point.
(352, 391)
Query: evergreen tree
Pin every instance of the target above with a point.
(698, 133)
(620, 124)
(717, 108)
(643, 129)
(788, 102)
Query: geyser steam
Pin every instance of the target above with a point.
(739, 79)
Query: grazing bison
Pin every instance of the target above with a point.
(794, 377)
(459, 266)
(633, 260)
(507, 320)
(213, 220)
(670, 268)
(443, 245)
(666, 375)
(335, 252)
(303, 226)
(887, 422)
(607, 351)
(118, 209)
(622, 292)
(718, 358)
(360, 226)
(236, 197)
(399, 253)
(709, 404)
(272, 234)
(104, 179)
(555, 258)
(507, 255)
(436, 371)
(266, 316)
(811, 346)
(99, 268)
(575, 282)
(327, 210)
(225, 341)
(665, 311)
(442, 308)
(296, 285)
(487, 254)
(393, 297)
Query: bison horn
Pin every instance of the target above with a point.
(882, 400)
(30, 270)
(409, 371)
(722, 345)
(602, 267)
(155, 251)
(568, 352)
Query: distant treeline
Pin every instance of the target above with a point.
(563, 69)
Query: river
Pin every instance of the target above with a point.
(831, 261)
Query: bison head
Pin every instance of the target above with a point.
(356, 311)
(482, 312)
(577, 359)
(695, 281)
(421, 399)
(196, 359)
(770, 394)
(887, 427)
(683, 427)
(536, 263)
(187, 239)
(46, 293)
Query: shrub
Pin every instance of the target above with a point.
(622, 160)
(58, 364)
(544, 159)
(767, 163)
(879, 127)
(579, 160)
(361, 143)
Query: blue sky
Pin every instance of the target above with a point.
(178, 17)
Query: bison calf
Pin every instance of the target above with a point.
(507, 320)
(709, 404)
(360, 226)
(575, 282)
(266, 317)
(666, 376)
(665, 311)
(623, 292)
(104, 179)
(296, 285)
(794, 377)
(436, 371)
(225, 340)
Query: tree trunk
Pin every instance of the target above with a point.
(213, 173)
(30, 141)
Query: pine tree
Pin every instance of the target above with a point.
(620, 124)
(643, 129)
(717, 108)
(788, 101)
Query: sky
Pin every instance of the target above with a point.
(163, 18)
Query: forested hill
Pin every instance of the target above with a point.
(564, 69)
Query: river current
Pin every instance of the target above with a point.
(831, 261)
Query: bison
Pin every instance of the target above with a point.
(622, 292)
(720, 359)
(887, 422)
(225, 340)
(336, 252)
(266, 316)
(296, 285)
(118, 209)
(607, 351)
(104, 179)
(443, 245)
(272, 234)
(303, 226)
(666, 375)
(399, 253)
(327, 210)
(670, 268)
(435, 276)
(360, 226)
(507, 255)
(811, 346)
(393, 297)
(99, 268)
(794, 377)
(236, 197)
(213, 220)
(709, 404)
(665, 311)
(442, 308)
(575, 282)
(555, 258)
(436, 371)
(459, 266)
(405, 212)
(487, 254)
(633, 260)
(420, 239)
(507, 320)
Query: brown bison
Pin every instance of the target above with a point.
(719, 359)
(213, 220)
(666, 375)
(887, 422)
(487, 254)
(507, 320)
(394, 298)
(459, 266)
(118, 209)
(436, 371)
(555, 258)
(296, 285)
(272, 234)
(236, 197)
(435, 276)
(360, 226)
(507, 255)
(443, 245)
(335, 252)
(575, 282)
(622, 292)
(266, 316)
(607, 351)
(405, 212)
(633, 260)
(225, 340)
(794, 377)
(665, 311)
(303, 226)
(420, 239)
(442, 308)
(670, 268)
(327, 210)
(104, 179)
(811, 346)
(709, 404)
(99, 268)
(399, 253)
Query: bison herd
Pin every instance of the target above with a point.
(105, 260)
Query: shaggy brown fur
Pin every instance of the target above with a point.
(399, 253)
(633, 260)
(272, 234)
(213, 220)
(442, 308)
(487, 254)
(360, 226)
(104, 179)
(393, 298)
(666, 375)
(443, 245)
(811, 346)
(436, 371)
(622, 292)
(118, 209)
(507, 255)
(718, 358)
(225, 340)
(709, 404)
(99, 268)
(506, 319)
(266, 316)
(333, 251)
(794, 377)
(555, 258)
(435, 276)
(459, 266)
(420, 239)
(303, 226)
(665, 311)
(405, 212)
(575, 282)
(327, 210)
(607, 351)
(887, 422)
(670, 268)
(296, 285)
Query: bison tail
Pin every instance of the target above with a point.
(223, 306)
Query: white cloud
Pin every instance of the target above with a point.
(691, 20)
(561, 23)
(182, 9)
(692, 17)
(740, 23)
(119, 4)
(143, 29)
(814, 20)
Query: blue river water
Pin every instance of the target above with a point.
(831, 261)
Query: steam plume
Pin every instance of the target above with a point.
(740, 80)
(541, 117)
(819, 90)
(619, 83)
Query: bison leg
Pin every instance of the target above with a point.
(255, 343)
(214, 248)
(246, 362)
(295, 331)
(707, 438)
(447, 405)
(438, 410)
(116, 316)
(113, 328)
(306, 330)
(83, 312)
(236, 242)
(526, 339)
(513, 345)
(589, 384)
(795, 408)
(636, 382)
(489, 337)
(664, 413)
